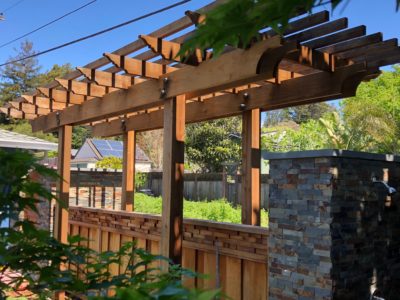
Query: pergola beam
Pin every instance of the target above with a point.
(139, 67)
(322, 85)
(85, 88)
(29, 108)
(136, 45)
(353, 43)
(232, 69)
(57, 95)
(44, 102)
(109, 79)
(338, 37)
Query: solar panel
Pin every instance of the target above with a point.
(115, 145)
(101, 145)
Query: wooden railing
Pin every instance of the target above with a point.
(235, 256)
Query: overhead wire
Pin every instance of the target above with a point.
(155, 12)
(47, 24)
(11, 6)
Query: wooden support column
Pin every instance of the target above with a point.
(128, 172)
(63, 185)
(172, 188)
(251, 167)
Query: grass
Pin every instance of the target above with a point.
(217, 210)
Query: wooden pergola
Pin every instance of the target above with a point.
(128, 91)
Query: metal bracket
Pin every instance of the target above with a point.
(246, 96)
(164, 89)
(58, 118)
(123, 125)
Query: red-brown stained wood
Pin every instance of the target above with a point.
(232, 281)
(172, 191)
(63, 185)
(255, 281)
(128, 171)
(210, 267)
(126, 259)
(189, 262)
(251, 167)
(114, 245)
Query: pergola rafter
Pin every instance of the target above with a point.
(123, 92)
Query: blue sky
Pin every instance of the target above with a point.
(377, 15)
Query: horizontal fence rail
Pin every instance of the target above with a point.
(234, 256)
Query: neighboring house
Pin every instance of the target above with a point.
(94, 150)
(13, 140)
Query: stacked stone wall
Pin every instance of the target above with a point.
(334, 234)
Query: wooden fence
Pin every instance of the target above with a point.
(209, 186)
(235, 256)
(102, 188)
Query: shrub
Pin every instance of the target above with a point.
(35, 256)
(216, 210)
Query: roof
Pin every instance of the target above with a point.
(96, 149)
(10, 139)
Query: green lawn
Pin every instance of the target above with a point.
(216, 210)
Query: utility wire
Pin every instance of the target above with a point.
(47, 24)
(98, 33)
(12, 6)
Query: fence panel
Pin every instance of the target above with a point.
(234, 256)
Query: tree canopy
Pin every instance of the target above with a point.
(19, 77)
(22, 77)
(369, 122)
(209, 144)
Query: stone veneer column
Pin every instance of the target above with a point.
(333, 233)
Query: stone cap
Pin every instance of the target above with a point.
(329, 153)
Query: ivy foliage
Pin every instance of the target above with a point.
(35, 257)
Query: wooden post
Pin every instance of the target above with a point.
(128, 171)
(251, 167)
(172, 180)
(63, 185)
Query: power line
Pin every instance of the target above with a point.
(98, 33)
(12, 6)
(47, 24)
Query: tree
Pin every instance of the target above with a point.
(303, 113)
(309, 135)
(209, 144)
(341, 135)
(298, 114)
(110, 162)
(151, 142)
(237, 22)
(23, 127)
(274, 117)
(375, 112)
(56, 71)
(79, 136)
(19, 77)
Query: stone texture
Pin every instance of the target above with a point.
(333, 233)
